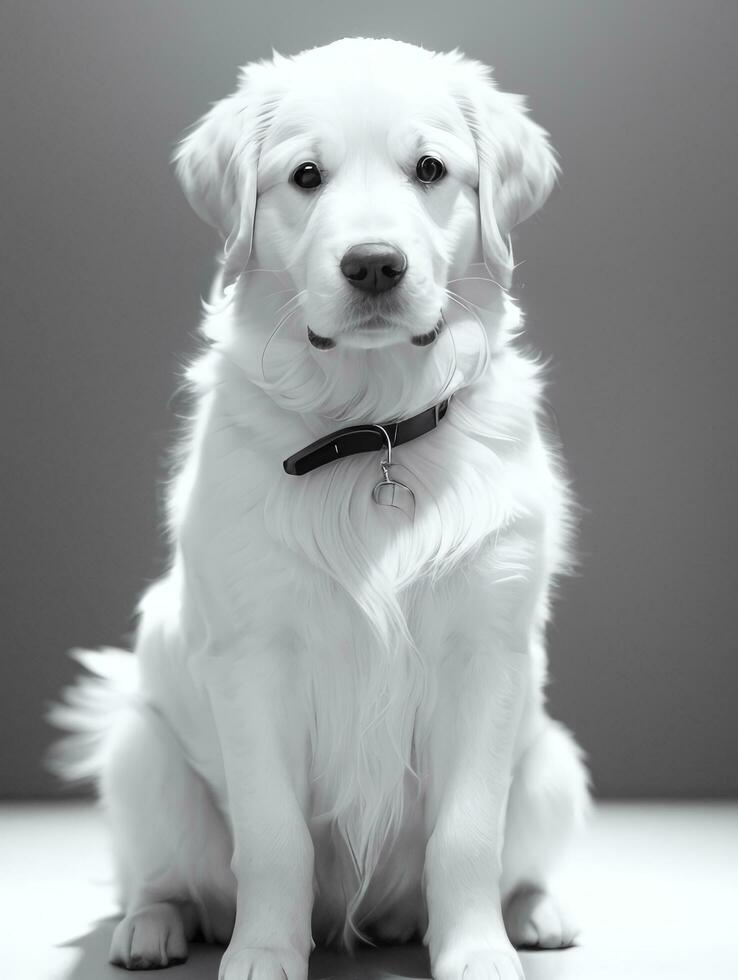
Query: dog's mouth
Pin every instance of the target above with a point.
(421, 339)
(426, 339)
(320, 343)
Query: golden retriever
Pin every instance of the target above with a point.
(333, 725)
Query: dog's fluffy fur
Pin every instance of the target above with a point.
(333, 722)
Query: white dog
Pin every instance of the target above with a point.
(333, 725)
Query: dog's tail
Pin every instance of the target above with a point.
(88, 712)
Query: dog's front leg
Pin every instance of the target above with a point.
(470, 763)
(261, 723)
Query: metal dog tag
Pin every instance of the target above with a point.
(392, 493)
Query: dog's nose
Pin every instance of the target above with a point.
(374, 267)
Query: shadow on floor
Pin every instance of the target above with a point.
(380, 963)
(370, 963)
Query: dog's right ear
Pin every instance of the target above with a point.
(216, 164)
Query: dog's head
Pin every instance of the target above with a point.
(370, 175)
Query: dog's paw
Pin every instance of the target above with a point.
(533, 918)
(498, 963)
(262, 963)
(149, 939)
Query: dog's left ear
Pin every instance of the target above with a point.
(217, 166)
(517, 166)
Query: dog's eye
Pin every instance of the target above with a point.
(307, 176)
(429, 170)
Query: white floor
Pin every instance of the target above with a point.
(655, 887)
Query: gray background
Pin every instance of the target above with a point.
(629, 283)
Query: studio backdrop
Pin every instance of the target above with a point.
(627, 277)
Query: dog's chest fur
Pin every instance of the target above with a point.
(365, 603)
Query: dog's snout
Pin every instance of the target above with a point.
(374, 267)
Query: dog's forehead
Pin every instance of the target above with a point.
(362, 87)
(371, 111)
(371, 118)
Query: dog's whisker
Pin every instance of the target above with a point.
(274, 272)
(474, 279)
(454, 365)
(455, 298)
(273, 334)
(463, 279)
(492, 282)
(296, 298)
(278, 292)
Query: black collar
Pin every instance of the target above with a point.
(363, 439)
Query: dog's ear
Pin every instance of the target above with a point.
(517, 166)
(217, 165)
